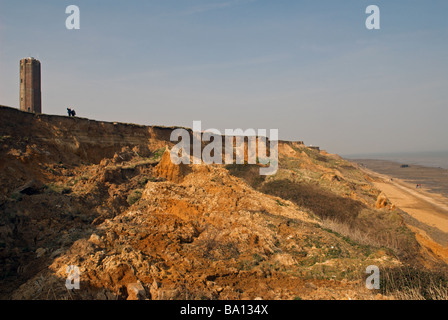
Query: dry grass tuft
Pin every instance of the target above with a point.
(410, 283)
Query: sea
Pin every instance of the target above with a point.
(438, 159)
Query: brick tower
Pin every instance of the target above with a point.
(30, 91)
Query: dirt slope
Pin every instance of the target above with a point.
(104, 197)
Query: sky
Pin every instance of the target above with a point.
(310, 68)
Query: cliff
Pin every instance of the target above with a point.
(73, 139)
(106, 198)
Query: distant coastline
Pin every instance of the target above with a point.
(432, 178)
(438, 159)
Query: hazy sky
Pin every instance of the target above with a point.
(308, 68)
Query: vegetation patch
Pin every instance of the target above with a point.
(323, 203)
(158, 153)
(350, 218)
(410, 283)
(134, 196)
(57, 188)
(248, 172)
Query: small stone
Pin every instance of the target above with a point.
(154, 290)
(95, 239)
(40, 252)
(56, 253)
(311, 285)
(136, 291)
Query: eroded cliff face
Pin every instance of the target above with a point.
(106, 198)
(71, 139)
(32, 145)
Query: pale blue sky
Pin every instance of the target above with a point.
(308, 68)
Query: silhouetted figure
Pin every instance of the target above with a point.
(71, 112)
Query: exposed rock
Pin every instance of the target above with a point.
(168, 170)
(40, 252)
(142, 151)
(136, 291)
(154, 290)
(95, 239)
(382, 201)
(125, 154)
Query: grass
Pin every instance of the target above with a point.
(144, 180)
(159, 153)
(81, 178)
(56, 188)
(213, 248)
(350, 235)
(134, 165)
(16, 196)
(281, 204)
(410, 283)
(370, 232)
(249, 172)
(323, 203)
(257, 258)
(134, 196)
(348, 217)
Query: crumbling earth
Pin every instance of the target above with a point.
(139, 227)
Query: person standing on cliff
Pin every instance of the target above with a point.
(69, 111)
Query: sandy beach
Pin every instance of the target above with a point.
(432, 179)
